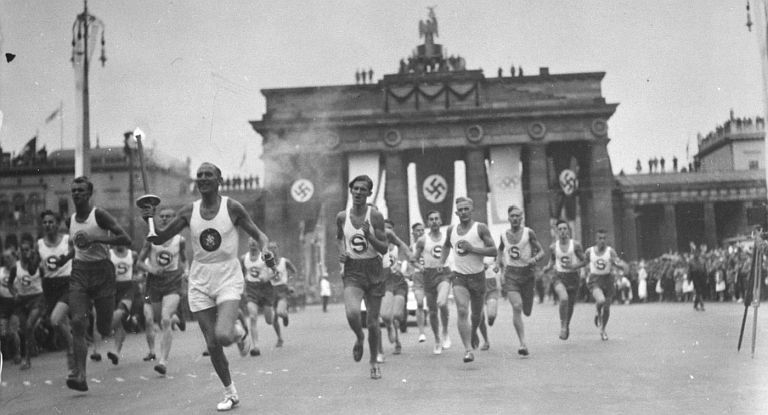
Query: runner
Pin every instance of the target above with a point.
(414, 271)
(259, 294)
(519, 251)
(92, 282)
(215, 277)
(124, 260)
(9, 323)
(284, 270)
(396, 289)
(26, 286)
(491, 303)
(56, 278)
(472, 241)
(165, 272)
(435, 279)
(566, 256)
(361, 238)
(601, 283)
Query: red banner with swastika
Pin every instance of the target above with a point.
(435, 183)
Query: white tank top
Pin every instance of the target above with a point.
(281, 273)
(561, 258)
(94, 252)
(166, 256)
(465, 263)
(255, 270)
(26, 283)
(358, 247)
(433, 250)
(389, 259)
(49, 255)
(519, 254)
(5, 292)
(123, 266)
(214, 240)
(600, 264)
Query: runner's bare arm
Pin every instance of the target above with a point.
(499, 262)
(552, 258)
(340, 244)
(106, 221)
(141, 258)
(176, 225)
(393, 238)
(243, 221)
(183, 253)
(580, 255)
(292, 271)
(488, 248)
(419, 251)
(378, 238)
(537, 247)
(446, 247)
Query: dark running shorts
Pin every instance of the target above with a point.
(164, 284)
(260, 293)
(95, 279)
(125, 291)
(27, 303)
(474, 283)
(570, 281)
(605, 283)
(55, 290)
(282, 292)
(523, 281)
(396, 283)
(433, 278)
(365, 274)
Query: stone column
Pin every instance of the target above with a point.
(536, 193)
(477, 182)
(710, 228)
(669, 228)
(600, 204)
(629, 233)
(396, 192)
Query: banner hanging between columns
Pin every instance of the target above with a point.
(368, 164)
(434, 184)
(505, 180)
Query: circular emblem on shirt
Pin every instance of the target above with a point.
(460, 247)
(164, 258)
(50, 263)
(210, 239)
(81, 240)
(437, 251)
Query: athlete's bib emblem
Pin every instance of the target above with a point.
(81, 240)
(122, 269)
(50, 263)
(210, 239)
(564, 260)
(435, 188)
(600, 264)
(460, 247)
(254, 273)
(514, 252)
(359, 243)
(437, 251)
(164, 258)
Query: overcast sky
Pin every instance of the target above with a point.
(189, 72)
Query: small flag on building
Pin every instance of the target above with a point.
(53, 115)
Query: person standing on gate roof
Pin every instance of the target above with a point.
(361, 241)
(92, 283)
(436, 279)
(519, 251)
(472, 241)
(566, 256)
(215, 277)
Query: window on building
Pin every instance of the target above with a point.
(754, 165)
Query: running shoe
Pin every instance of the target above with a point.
(398, 348)
(182, 324)
(564, 332)
(438, 349)
(597, 320)
(255, 352)
(469, 357)
(475, 340)
(160, 368)
(422, 338)
(285, 321)
(604, 336)
(206, 353)
(447, 342)
(77, 383)
(523, 351)
(96, 357)
(485, 346)
(491, 320)
(229, 402)
(279, 343)
(113, 358)
(357, 351)
(149, 357)
(375, 372)
(380, 358)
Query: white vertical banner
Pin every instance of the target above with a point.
(414, 210)
(505, 181)
(370, 165)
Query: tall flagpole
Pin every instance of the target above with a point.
(61, 125)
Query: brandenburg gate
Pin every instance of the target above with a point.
(536, 140)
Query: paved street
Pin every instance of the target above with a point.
(661, 358)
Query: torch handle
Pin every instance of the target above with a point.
(151, 224)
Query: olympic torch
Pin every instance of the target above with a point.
(148, 199)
